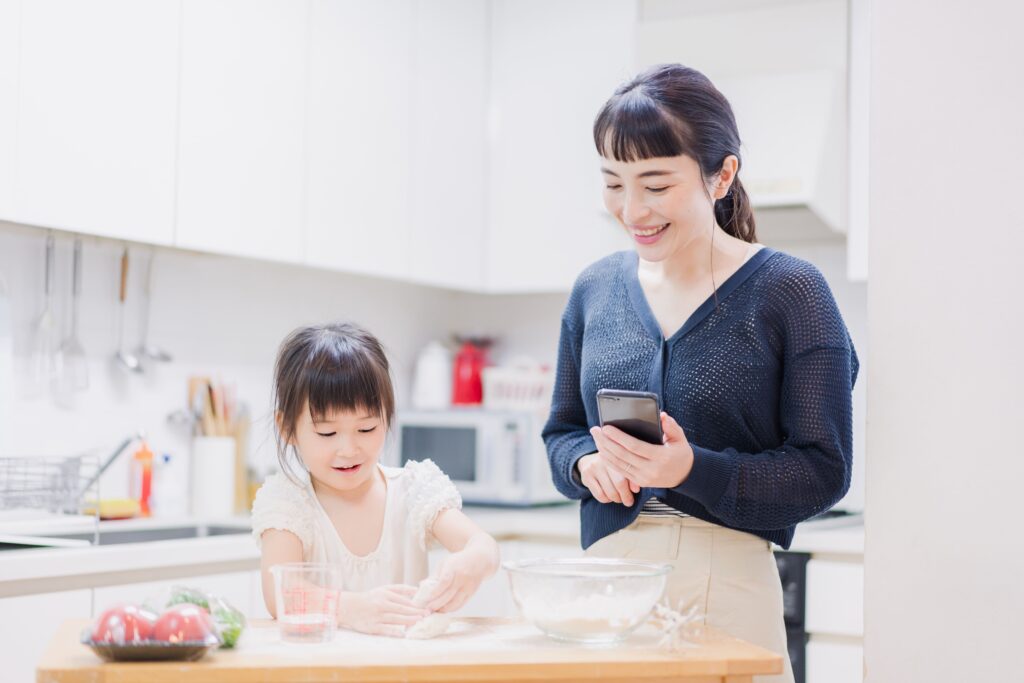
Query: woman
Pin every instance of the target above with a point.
(743, 344)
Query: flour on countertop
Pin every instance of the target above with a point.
(462, 637)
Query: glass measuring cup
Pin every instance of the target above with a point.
(306, 596)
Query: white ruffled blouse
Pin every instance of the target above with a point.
(416, 494)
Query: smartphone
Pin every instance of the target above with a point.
(638, 413)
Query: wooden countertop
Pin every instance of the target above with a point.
(474, 649)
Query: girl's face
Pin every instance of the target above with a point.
(662, 203)
(341, 449)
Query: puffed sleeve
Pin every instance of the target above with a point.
(430, 491)
(282, 504)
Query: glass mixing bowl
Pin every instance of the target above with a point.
(587, 600)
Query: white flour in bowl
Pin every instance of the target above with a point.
(589, 614)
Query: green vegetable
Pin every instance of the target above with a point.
(180, 594)
(229, 620)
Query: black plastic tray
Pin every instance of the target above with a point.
(149, 650)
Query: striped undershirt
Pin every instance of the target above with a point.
(655, 508)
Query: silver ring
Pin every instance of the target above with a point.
(629, 468)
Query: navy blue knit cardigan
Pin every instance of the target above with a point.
(760, 381)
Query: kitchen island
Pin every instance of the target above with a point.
(473, 649)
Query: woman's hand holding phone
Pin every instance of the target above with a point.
(606, 484)
(643, 464)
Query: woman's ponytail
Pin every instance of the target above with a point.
(734, 213)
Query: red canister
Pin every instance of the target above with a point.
(467, 385)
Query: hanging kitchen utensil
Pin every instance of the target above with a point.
(145, 350)
(44, 338)
(71, 363)
(124, 359)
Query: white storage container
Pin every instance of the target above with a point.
(516, 388)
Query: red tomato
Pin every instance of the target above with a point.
(185, 623)
(124, 624)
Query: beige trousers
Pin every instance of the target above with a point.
(731, 575)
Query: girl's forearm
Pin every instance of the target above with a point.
(345, 600)
(483, 547)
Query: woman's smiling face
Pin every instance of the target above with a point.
(662, 203)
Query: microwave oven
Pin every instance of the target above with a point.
(492, 457)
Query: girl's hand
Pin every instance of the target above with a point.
(649, 465)
(385, 611)
(607, 485)
(459, 577)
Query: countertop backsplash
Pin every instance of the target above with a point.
(218, 316)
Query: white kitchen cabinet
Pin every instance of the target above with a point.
(358, 174)
(449, 114)
(835, 598)
(10, 44)
(835, 661)
(240, 165)
(30, 621)
(554, 64)
(97, 117)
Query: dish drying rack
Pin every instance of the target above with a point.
(50, 489)
(56, 485)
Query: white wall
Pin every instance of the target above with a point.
(944, 560)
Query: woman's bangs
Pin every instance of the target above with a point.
(632, 128)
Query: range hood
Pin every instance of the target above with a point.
(793, 130)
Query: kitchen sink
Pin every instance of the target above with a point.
(7, 545)
(118, 536)
(17, 542)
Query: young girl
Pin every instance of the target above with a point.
(334, 503)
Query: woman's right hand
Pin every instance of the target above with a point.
(386, 610)
(605, 484)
